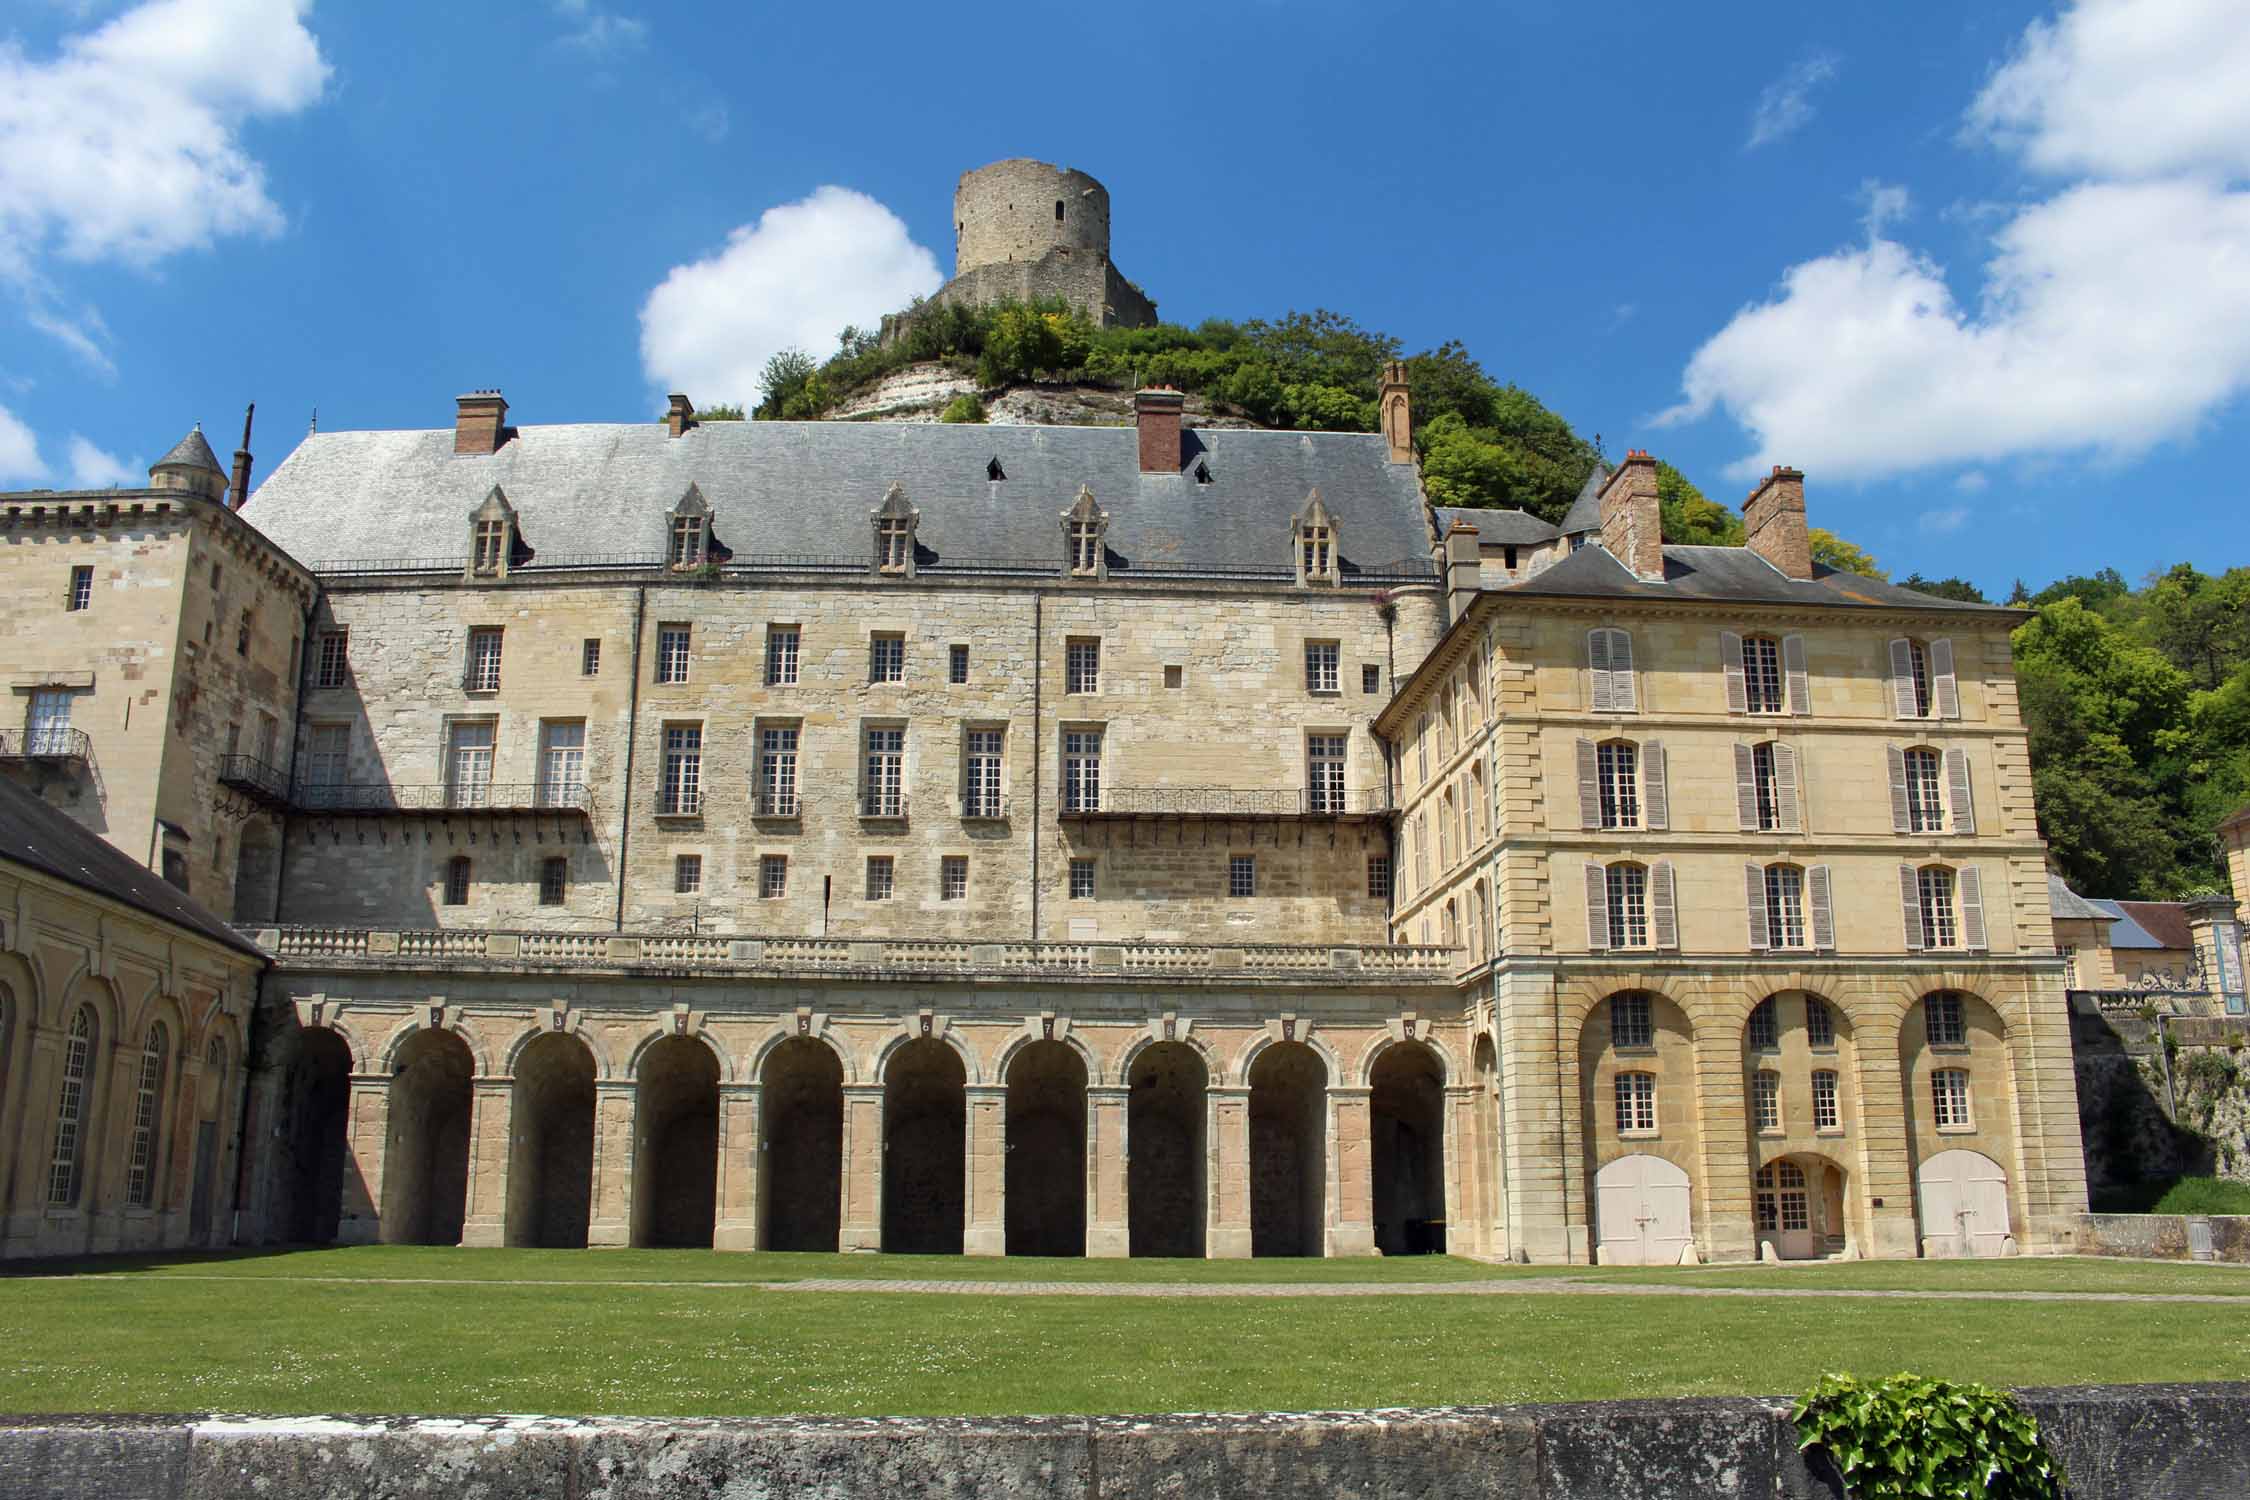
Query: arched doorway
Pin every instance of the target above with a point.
(1288, 1150)
(925, 1116)
(803, 1135)
(1406, 1137)
(551, 1158)
(1046, 1151)
(316, 1107)
(426, 1163)
(1164, 1170)
(676, 1145)
(1484, 1150)
(1963, 1200)
(1640, 1212)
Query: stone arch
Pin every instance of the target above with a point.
(88, 988)
(908, 1034)
(315, 1150)
(404, 1032)
(1027, 1038)
(1799, 1204)
(1045, 1174)
(1584, 997)
(426, 1158)
(1449, 1066)
(925, 1128)
(1166, 1128)
(551, 1140)
(697, 1031)
(1289, 1083)
(676, 1140)
(786, 1033)
(1486, 1175)
(801, 1141)
(576, 1030)
(1214, 1065)
(1638, 1098)
(154, 1050)
(1406, 1147)
(1271, 1037)
(322, 1016)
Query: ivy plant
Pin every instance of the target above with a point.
(1914, 1436)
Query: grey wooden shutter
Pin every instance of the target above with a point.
(1599, 697)
(1754, 896)
(1589, 786)
(1900, 821)
(1746, 787)
(1963, 805)
(1597, 907)
(1656, 803)
(1730, 660)
(1800, 679)
(1785, 786)
(1945, 688)
(1902, 678)
(1910, 897)
(1663, 916)
(1624, 691)
(1823, 908)
(1970, 884)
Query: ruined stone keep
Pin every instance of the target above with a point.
(1024, 231)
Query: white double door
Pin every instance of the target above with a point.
(1640, 1212)
(1963, 1196)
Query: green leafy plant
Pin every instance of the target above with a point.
(1915, 1436)
(963, 408)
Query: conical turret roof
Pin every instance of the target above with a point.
(192, 451)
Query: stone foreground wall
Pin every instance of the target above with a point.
(2164, 1236)
(2114, 1442)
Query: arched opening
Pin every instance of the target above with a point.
(1164, 1171)
(1797, 1202)
(1288, 1150)
(316, 1109)
(1641, 1212)
(676, 1145)
(1046, 1174)
(426, 1161)
(802, 1155)
(1962, 1199)
(925, 1117)
(1484, 1149)
(551, 1159)
(209, 1114)
(1406, 1139)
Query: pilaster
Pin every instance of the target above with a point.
(1350, 1229)
(984, 1194)
(491, 1116)
(741, 1156)
(609, 1226)
(1227, 1174)
(861, 1216)
(367, 1132)
(1108, 1152)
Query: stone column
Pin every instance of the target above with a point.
(1108, 1227)
(861, 1217)
(367, 1132)
(1875, 1111)
(741, 1168)
(985, 1192)
(1719, 1204)
(609, 1222)
(491, 1133)
(36, 1064)
(1350, 1229)
(262, 1208)
(1226, 1177)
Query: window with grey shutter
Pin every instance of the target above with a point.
(1823, 912)
(1785, 788)
(1746, 787)
(1910, 899)
(1901, 816)
(1624, 695)
(1663, 916)
(1754, 894)
(1800, 679)
(1655, 802)
(1589, 785)
(1730, 659)
(1598, 696)
(1905, 702)
(1969, 887)
(1958, 794)
(1597, 907)
(1945, 688)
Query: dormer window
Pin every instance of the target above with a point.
(689, 543)
(492, 537)
(994, 472)
(1085, 546)
(895, 521)
(1084, 527)
(894, 546)
(1314, 531)
(492, 546)
(1316, 546)
(1202, 472)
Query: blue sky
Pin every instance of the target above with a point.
(1983, 272)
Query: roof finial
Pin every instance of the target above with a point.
(314, 425)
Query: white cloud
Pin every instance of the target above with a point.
(1972, 482)
(125, 145)
(1887, 204)
(1940, 522)
(598, 33)
(19, 450)
(792, 280)
(2110, 317)
(1785, 106)
(92, 469)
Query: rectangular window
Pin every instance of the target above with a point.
(953, 877)
(886, 658)
(1942, 1022)
(1768, 786)
(334, 660)
(1175, 676)
(1825, 1114)
(773, 876)
(492, 545)
(957, 665)
(590, 657)
(672, 653)
(1820, 1026)
(1085, 547)
(1370, 678)
(49, 723)
(980, 781)
(484, 661)
(1618, 763)
(1321, 666)
(554, 881)
(777, 772)
(879, 871)
(682, 791)
(1764, 1031)
(1379, 877)
(1324, 760)
(1765, 1099)
(327, 754)
(1242, 875)
(1422, 750)
(687, 541)
(242, 633)
(1938, 927)
(883, 791)
(1631, 1021)
(1316, 546)
(1082, 770)
(457, 881)
(687, 875)
(81, 594)
(1636, 1103)
(468, 764)
(781, 655)
(1082, 666)
(1949, 1094)
(1785, 906)
(1925, 795)
(562, 764)
(1628, 906)
(1081, 880)
(1508, 556)
(1761, 674)
(1918, 674)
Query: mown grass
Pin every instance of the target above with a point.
(2018, 1274)
(126, 1343)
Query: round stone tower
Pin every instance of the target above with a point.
(1022, 210)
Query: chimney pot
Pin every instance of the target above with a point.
(480, 422)
(1156, 412)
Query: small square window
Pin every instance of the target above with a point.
(886, 658)
(1081, 880)
(590, 658)
(687, 875)
(1370, 678)
(953, 877)
(1174, 676)
(773, 876)
(957, 664)
(554, 881)
(880, 868)
(1242, 875)
(81, 589)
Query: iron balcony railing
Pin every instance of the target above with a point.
(779, 805)
(1234, 802)
(46, 744)
(1408, 570)
(984, 809)
(883, 804)
(248, 773)
(445, 797)
(679, 802)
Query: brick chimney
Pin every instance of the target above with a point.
(1632, 522)
(1157, 413)
(1397, 413)
(238, 489)
(1464, 566)
(1774, 518)
(681, 416)
(480, 422)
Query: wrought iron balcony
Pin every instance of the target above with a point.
(778, 805)
(883, 806)
(46, 744)
(984, 809)
(1234, 802)
(262, 783)
(679, 802)
(379, 798)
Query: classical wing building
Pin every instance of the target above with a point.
(1135, 840)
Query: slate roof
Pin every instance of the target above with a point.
(1730, 573)
(1585, 513)
(37, 834)
(2165, 923)
(2069, 906)
(192, 450)
(1497, 527)
(805, 489)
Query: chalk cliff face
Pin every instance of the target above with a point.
(918, 393)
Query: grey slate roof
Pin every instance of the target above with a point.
(2125, 930)
(193, 451)
(806, 488)
(1497, 527)
(45, 838)
(1585, 512)
(2069, 906)
(1734, 573)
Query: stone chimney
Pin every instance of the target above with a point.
(1157, 413)
(1397, 413)
(238, 489)
(1464, 566)
(1774, 518)
(1632, 522)
(681, 416)
(480, 422)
